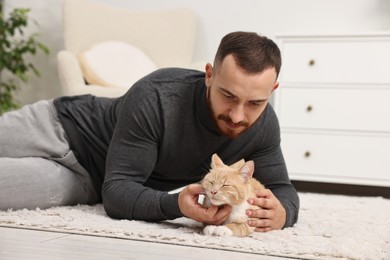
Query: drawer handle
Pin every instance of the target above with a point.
(312, 62)
(307, 154)
(309, 108)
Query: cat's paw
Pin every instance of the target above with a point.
(223, 231)
(209, 230)
(220, 231)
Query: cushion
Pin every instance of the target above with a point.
(114, 64)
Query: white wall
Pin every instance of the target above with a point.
(216, 18)
(47, 13)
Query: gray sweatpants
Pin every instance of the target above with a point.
(37, 167)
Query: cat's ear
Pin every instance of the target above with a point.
(216, 162)
(247, 170)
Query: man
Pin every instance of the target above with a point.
(129, 151)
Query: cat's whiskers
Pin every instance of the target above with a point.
(206, 169)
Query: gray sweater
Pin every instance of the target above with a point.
(160, 136)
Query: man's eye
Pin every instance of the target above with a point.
(255, 103)
(228, 96)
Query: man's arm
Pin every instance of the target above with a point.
(131, 158)
(279, 209)
(280, 202)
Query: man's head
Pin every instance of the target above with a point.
(242, 80)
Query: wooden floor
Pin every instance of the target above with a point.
(30, 244)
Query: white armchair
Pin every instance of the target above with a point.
(166, 37)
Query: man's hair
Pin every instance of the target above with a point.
(252, 52)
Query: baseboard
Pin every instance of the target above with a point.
(343, 189)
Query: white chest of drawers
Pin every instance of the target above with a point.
(333, 106)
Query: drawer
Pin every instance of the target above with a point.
(339, 60)
(353, 159)
(343, 109)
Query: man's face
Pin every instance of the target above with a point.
(237, 98)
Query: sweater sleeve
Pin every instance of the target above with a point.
(271, 170)
(131, 158)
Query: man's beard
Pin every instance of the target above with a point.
(230, 133)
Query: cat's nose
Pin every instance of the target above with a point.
(213, 192)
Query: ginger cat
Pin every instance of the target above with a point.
(232, 185)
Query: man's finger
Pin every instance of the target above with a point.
(259, 213)
(266, 193)
(224, 211)
(195, 189)
(266, 229)
(211, 211)
(264, 203)
(260, 223)
(217, 215)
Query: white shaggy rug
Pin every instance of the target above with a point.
(329, 226)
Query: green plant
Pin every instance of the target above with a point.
(14, 49)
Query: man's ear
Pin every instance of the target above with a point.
(209, 75)
(275, 86)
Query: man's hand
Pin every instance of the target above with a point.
(272, 214)
(189, 207)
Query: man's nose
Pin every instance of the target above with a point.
(237, 114)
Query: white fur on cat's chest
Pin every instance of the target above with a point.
(238, 214)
